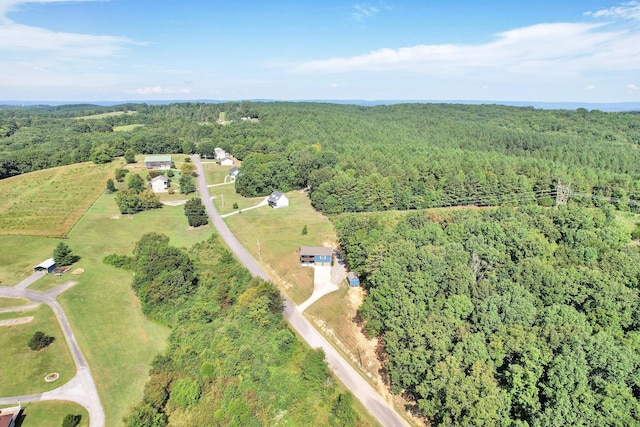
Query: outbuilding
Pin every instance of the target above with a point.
(278, 200)
(159, 184)
(48, 266)
(352, 279)
(316, 255)
(227, 161)
(157, 162)
(233, 172)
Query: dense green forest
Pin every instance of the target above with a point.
(354, 158)
(525, 314)
(505, 316)
(231, 359)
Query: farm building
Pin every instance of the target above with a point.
(278, 200)
(157, 162)
(352, 279)
(159, 183)
(316, 255)
(233, 172)
(49, 266)
(226, 162)
(8, 416)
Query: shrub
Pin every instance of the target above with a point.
(71, 420)
(119, 261)
(196, 215)
(39, 341)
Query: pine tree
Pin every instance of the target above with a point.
(62, 254)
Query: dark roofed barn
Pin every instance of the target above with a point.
(49, 266)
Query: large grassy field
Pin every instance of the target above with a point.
(50, 201)
(115, 337)
(279, 232)
(25, 369)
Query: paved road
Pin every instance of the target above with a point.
(361, 389)
(81, 389)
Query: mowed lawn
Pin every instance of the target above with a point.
(115, 337)
(50, 201)
(25, 369)
(279, 232)
(118, 341)
(50, 413)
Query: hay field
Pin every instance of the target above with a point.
(49, 202)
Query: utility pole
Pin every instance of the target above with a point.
(562, 196)
(259, 252)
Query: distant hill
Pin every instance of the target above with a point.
(602, 106)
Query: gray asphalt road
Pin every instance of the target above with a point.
(81, 389)
(361, 389)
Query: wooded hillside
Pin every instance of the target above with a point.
(506, 316)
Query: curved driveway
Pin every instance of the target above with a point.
(81, 388)
(361, 389)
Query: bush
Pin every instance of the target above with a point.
(196, 215)
(119, 261)
(235, 205)
(71, 420)
(39, 341)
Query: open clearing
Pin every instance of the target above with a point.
(279, 232)
(127, 128)
(50, 201)
(110, 114)
(27, 369)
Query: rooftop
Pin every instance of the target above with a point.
(316, 250)
(148, 159)
(46, 264)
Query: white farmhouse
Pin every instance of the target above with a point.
(159, 184)
(278, 200)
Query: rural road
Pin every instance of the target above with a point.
(360, 388)
(81, 388)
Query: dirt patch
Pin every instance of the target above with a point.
(114, 217)
(78, 271)
(18, 321)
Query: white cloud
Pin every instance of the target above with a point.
(25, 39)
(629, 10)
(590, 87)
(361, 12)
(158, 90)
(633, 87)
(556, 49)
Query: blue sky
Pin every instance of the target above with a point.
(541, 50)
